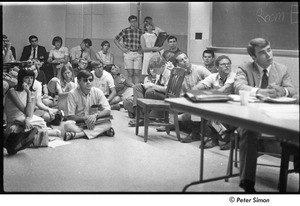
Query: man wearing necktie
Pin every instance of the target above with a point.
(34, 51)
(263, 77)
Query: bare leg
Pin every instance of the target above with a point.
(136, 76)
(130, 75)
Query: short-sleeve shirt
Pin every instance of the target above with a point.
(196, 74)
(75, 53)
(79, 104)
(165, 76)
(131, 38)
(105, 82)
(105, 57)
(59, 53)
(214, 80)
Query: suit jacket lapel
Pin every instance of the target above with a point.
(255, 75)
(273, 74)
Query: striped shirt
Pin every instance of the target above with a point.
(131, 38)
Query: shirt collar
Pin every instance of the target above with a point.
(81, 92)
(261, 69)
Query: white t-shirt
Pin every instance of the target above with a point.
(105, 82)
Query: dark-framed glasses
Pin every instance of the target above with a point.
(225, 64)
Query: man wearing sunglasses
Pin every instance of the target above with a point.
(87, 105)
(34, 51)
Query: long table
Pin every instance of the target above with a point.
(281, 120)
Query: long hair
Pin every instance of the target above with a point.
(63, 69)
(24, 72)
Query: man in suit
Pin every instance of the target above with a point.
(263, 77)
(34, 51)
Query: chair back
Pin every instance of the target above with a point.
(175, 82)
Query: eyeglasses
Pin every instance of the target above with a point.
(224, 64)
(86, 80)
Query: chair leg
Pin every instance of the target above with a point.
(137, 116)
(177, 126)
(236, 143)
(284, 166)
(146, 124)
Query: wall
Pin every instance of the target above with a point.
(200, 20)
(21, 21)
(172, 17)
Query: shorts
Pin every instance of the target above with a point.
(133, 60)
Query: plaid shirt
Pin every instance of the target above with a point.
(131, 38)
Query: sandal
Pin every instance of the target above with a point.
(110, 132)
(69, 136)
(132, 123)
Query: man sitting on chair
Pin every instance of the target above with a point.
(261, 77)
(86, 104)
(153, 90)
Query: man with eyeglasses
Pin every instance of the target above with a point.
(80, 56)
(222, 82)
(263, 77)
(34, 51)
(131, 47)
(85, 105)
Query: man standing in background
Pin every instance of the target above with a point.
(131, 48)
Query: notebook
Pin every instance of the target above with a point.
(207, 96)
(161, 38)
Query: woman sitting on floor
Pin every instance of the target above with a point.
(62, 86)
(22, 124)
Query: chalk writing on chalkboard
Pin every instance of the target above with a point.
(263, 16)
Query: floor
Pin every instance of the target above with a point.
(125, 163)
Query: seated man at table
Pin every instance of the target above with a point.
(194, 74)
(86, 104)
(263, 77)
(222, 82)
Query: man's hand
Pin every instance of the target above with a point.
(279, 91)
(90, 121)
(148, 85)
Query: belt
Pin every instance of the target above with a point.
(133, 50)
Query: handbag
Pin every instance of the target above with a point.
(41, 139)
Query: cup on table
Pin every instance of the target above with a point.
(244, 96)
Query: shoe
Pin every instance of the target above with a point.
(189, 138)
(110, 132)
(115, 107)
(211, 144)
(225, 146)
(19, 141)
(163, 128)
(248, 186)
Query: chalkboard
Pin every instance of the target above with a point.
(236, 23)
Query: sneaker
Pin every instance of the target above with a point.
(19, 141)
(211, 144)
(190, 138)
(225, 146)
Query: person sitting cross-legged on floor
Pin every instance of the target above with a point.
(222, 82)
(122, 84)
(80, 103)
(150, 90)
